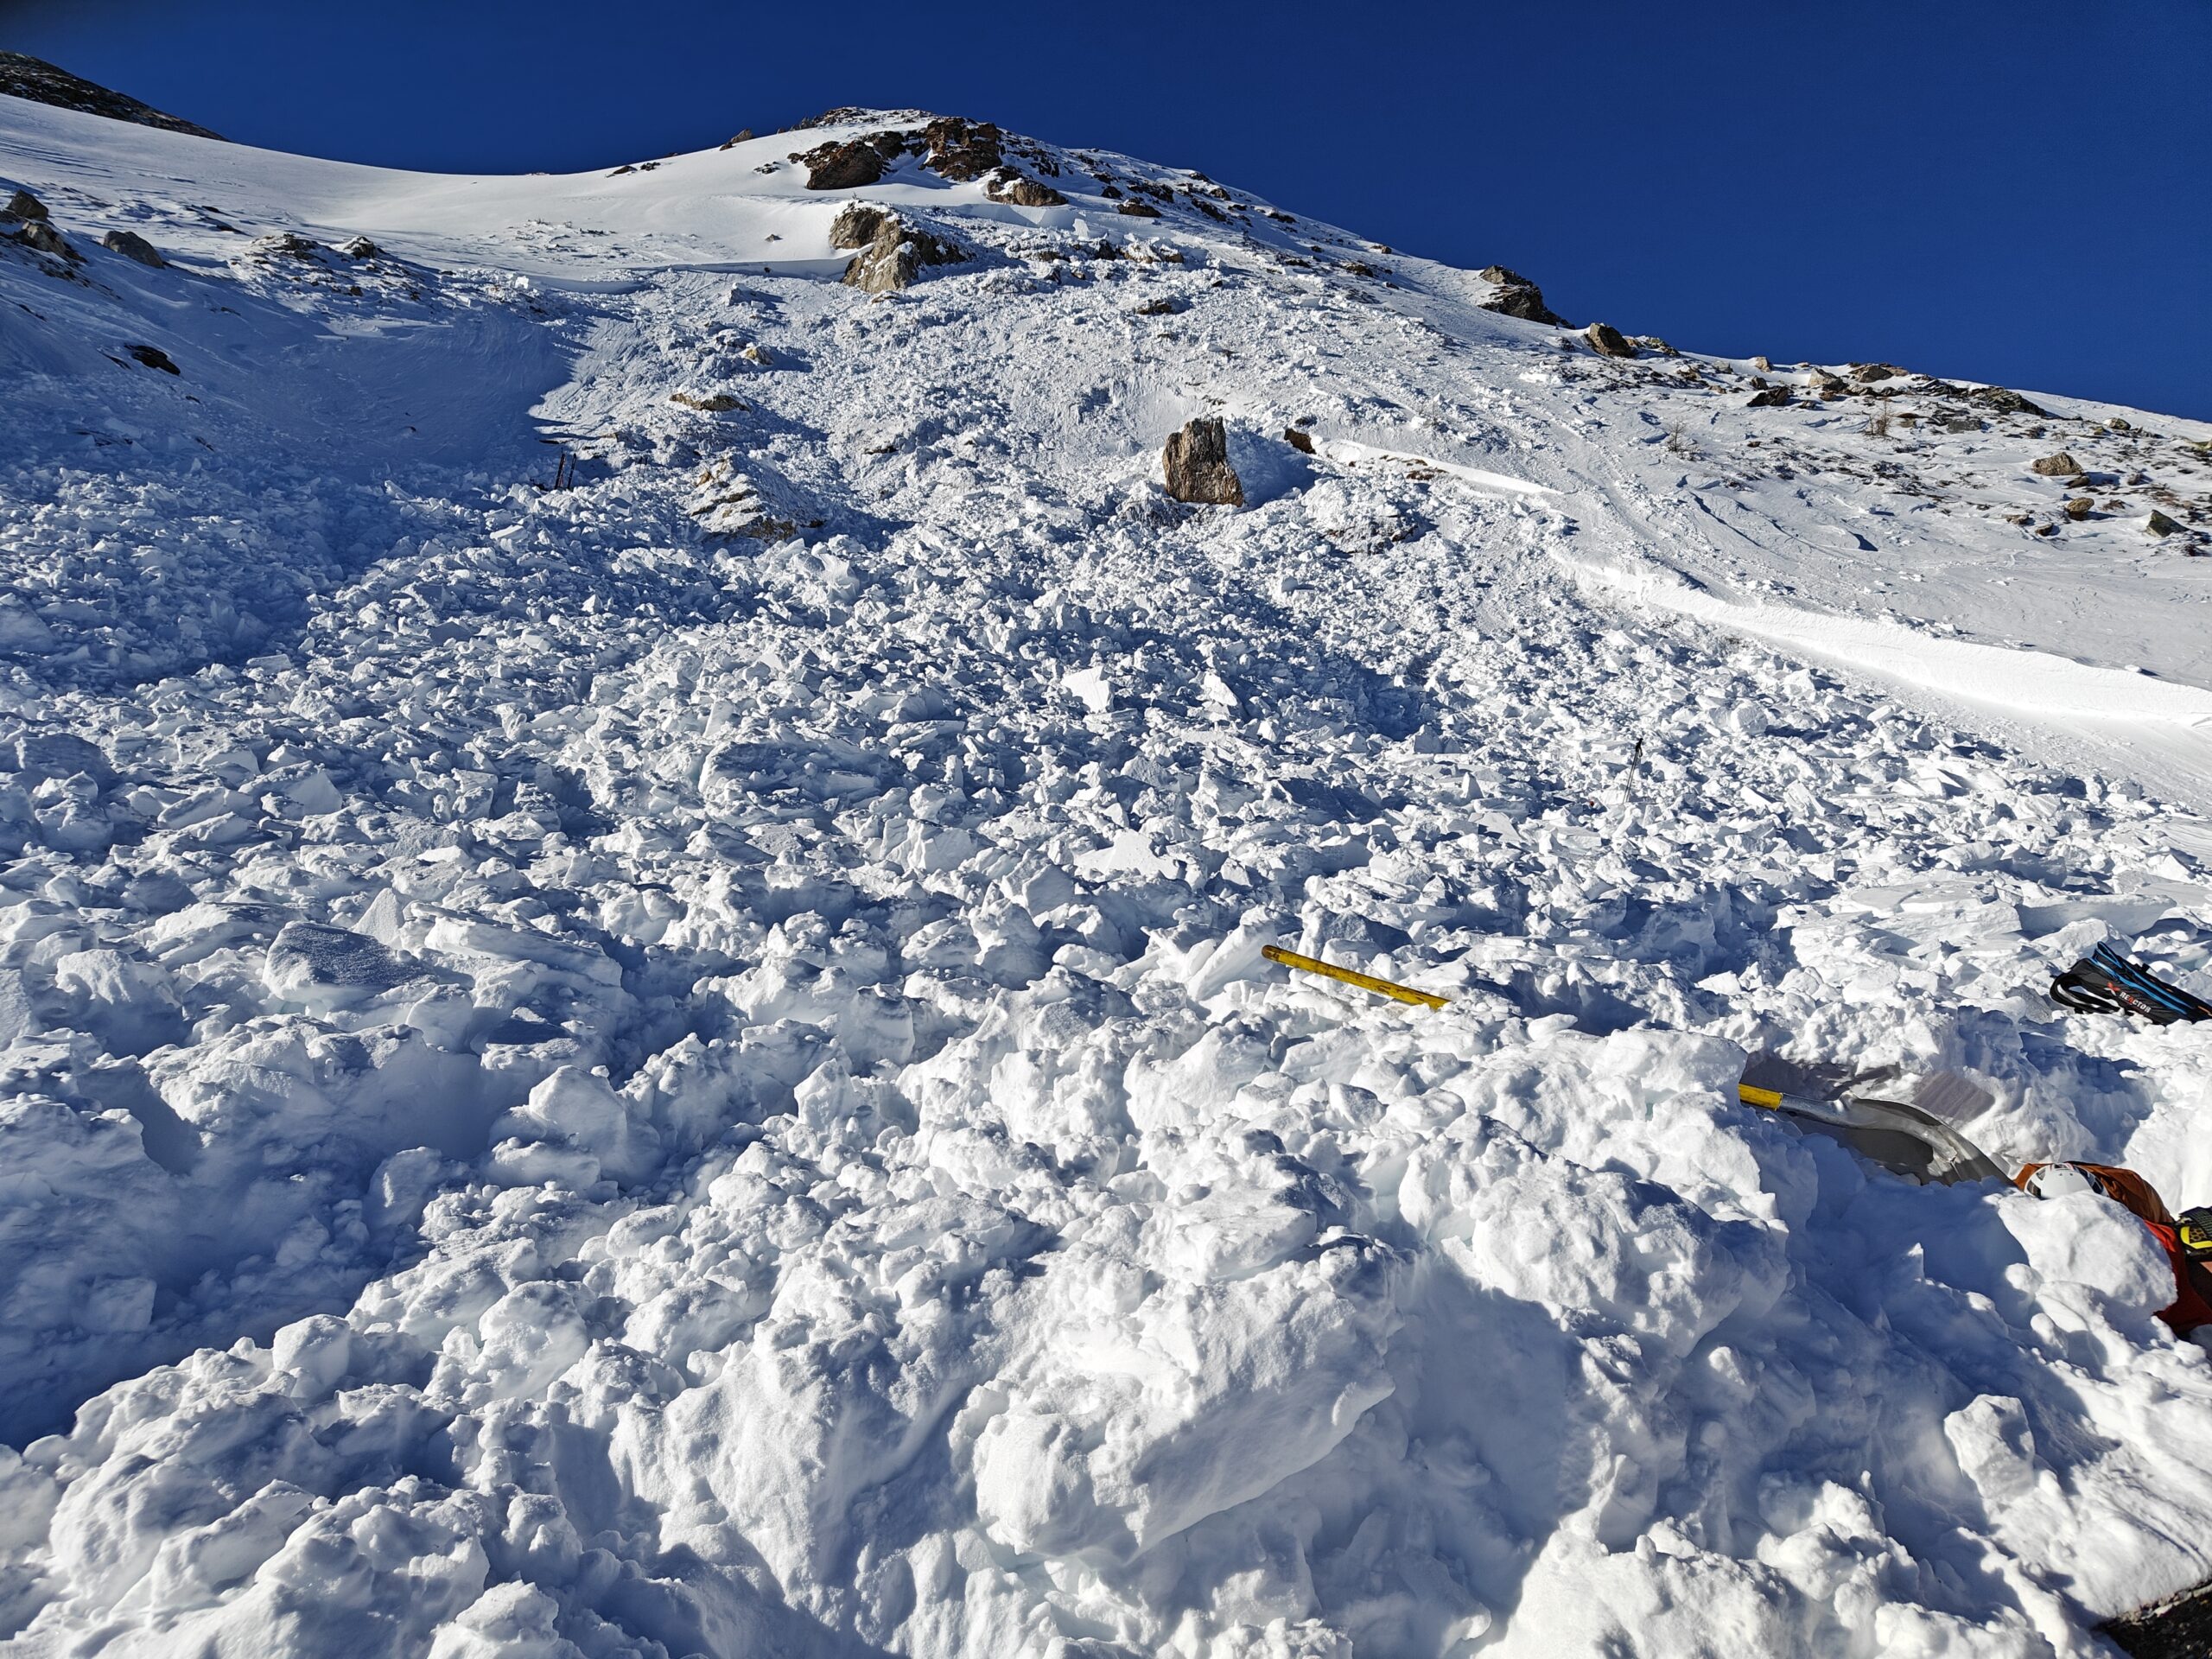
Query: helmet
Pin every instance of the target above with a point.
(2056, 1180)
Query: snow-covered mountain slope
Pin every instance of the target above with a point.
(682, 1064)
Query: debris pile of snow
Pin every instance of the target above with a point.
(681, 1064)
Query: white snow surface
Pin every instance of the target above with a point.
(682, 1066)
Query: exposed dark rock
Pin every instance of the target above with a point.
(154, 358)
(962, 150)
(891, 252)
(1007, 185)
(1607, 341)
(286, 244)
(1162, 307)
(2079, 508)
(2060, 465)
(1526, 303)
(2158, 524)
(732, 144)
(2177, 1628)
(846, 166)
(2118, 423)
(132, 246)
(1771, 397)
(41, 237)
(1301, 442)
(41, 83)
(857, 223)
(1138, 210)
(712, 403)
(358, 247)
(1868, 372)
(2003, 399)
(23, 204)
(1518, 296)
(1197, 464)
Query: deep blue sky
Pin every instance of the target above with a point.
(2008, 190)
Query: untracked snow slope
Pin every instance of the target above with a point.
(682, 1066)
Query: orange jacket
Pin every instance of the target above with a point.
(2192, 1303)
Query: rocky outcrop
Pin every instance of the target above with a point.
(359, 247)
(1769, 397)
(1196, 465)
(892, 253)
(23, 204)
(41, 83)
(1607, 341)
(1518, 296)
(2060, 465)
(40, 237)
(1007, 185)
(132, 246)
(847, 166)
(962, 150)
(2004, 400)
(2158, 524)
(154, 358)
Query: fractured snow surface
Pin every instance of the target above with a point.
(683, 1066)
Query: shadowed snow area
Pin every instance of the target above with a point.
(682, 1064)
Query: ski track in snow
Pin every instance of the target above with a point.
(683, 1066)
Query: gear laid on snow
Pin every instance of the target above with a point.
(2105, 982)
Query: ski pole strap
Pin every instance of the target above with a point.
(1365, 981)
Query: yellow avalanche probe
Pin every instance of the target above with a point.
(1345, 975)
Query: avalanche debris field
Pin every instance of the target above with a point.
(681, 1064)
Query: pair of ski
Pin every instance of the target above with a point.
(2105, 982)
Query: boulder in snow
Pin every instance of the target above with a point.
(1007, 185)
(2060, 465)
(41, 237)
(1518, 296)
(288, 244)
(846, 166)
(1197, 464)
(23, 204)
(2158, 524)
(1607, 341)
(891, 252)
(132, 246)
